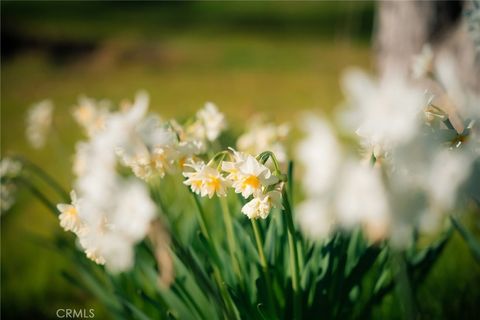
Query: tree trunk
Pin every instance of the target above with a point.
(405, 26)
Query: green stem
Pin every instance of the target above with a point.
(231, 314)
(263, 263)
(201, 217)
(47, 178)
(293, 258)
(263, 157)
(468, 237)
(37, 193)
(403, 288)
(227, 218)
(192, 301)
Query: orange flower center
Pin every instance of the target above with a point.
(252, 181)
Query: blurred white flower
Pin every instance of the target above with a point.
(39, 121)
(447, 172)
(212, 121)
(361, 199)
(91, 115)
(153, 153)
(7, 196)
(9, 167)
(191, 140)
(9, 170)
(457, 100)
(205, 180)
(315, 219)
(134, 210)
(93, 255)
(422, 64)
(115, 213)
(261, 136)
(385, 112)
(233, 167)
(320, 155)
(69, 219)
(261, 204)
(109, 230)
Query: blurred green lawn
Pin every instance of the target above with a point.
(247, 58)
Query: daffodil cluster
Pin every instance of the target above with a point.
(243, 173)
(261, 135)
(109, 212)
(419, 138)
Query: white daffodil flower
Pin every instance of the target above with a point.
(93, 255)
(261, 204)
(205, 180)
(447, 172)
(69, 217)
(252, 177)
(261, 136)
(212, 120)
(315, 219)
(232, 167)
(320, 154)
(386, 112)
(7, 196)
(10, 167)
(39, 122)
(91, 115)
(361, 199)
(115, 213)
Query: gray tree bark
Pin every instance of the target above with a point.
(403, 27)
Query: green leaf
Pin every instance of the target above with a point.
(469, 238)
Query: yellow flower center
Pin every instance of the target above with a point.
(72, 211)
(251, 181)
(214, 183)
(181, 162)
(196, 183)
(84, 113)
(158, 159)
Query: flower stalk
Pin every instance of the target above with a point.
(263, 263)
(227, 218)
(293, 257)
(231, 314)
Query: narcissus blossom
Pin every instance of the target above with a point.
(69, 218)
(9, 168)
(249, 177)
(362, 200)
(385, 112)
(262, 136)
(447, 172)
(261, 204)
(112, 213)
(212, 121)
(205, 180)
(320, 154)
(39, 122)
(315, 218)
(91, 115)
